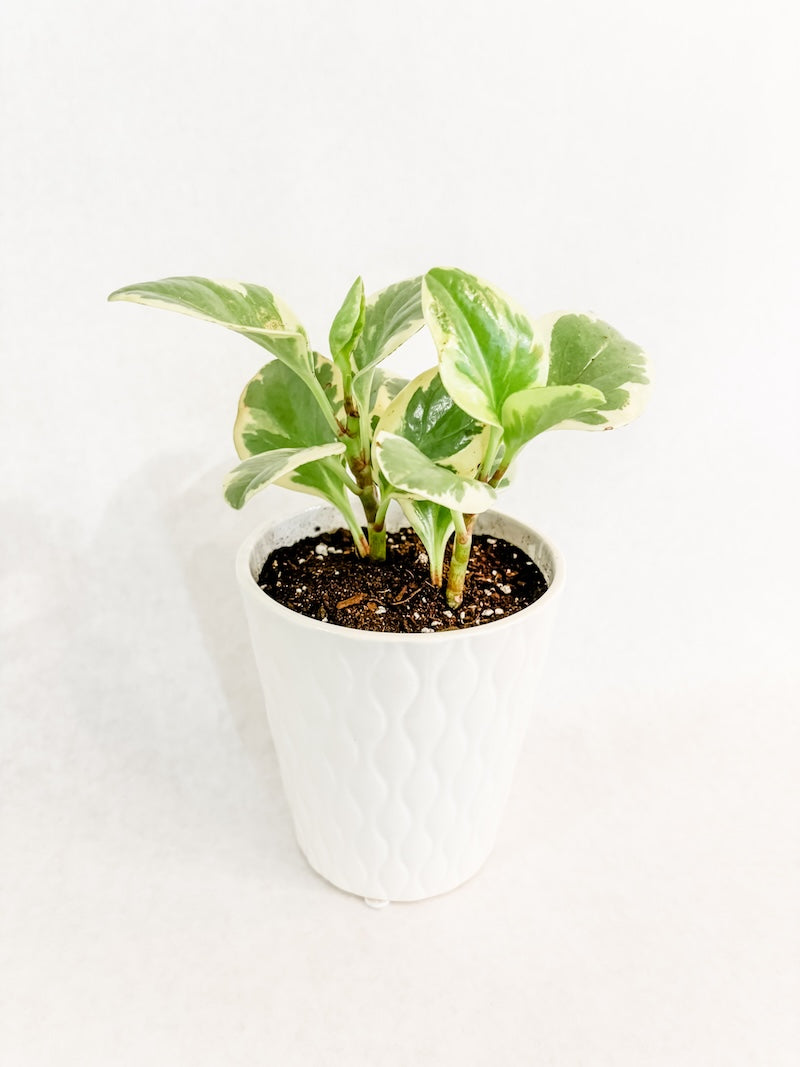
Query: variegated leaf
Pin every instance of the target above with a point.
(278, 410)
(408, 470)
(487, 346)
(391, 317)
(385, 388)
(247, 309)
(530, 412)
(583, 350)
(259, 471)
(373, 392)
(425, 414)
(321, 478)
(348, 323)
(433, 524)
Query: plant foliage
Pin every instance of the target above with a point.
(441, 445)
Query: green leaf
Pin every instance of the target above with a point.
(278, 410)
(580, 349)
(487, 346)
(348, 323)
(425, 414)
(322, 478)
(385, 388)
(250, 310)
(433, 525)
(259, 471)
(373, 392)
(391, 316)
(410, 471)
(532, 411)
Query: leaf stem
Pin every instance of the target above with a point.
(325, 405)
(349, 483)
(465, 524)
(377, 530)
(359, 459)
(459, 560)
(355, 528)
(499, 474)
(490, 455)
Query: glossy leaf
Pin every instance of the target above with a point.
(373, 392)
(385, 388)
(250, 310)
(259, 471)
(348, 323)
(530, 412)
(391, 316)
(486, 344)
(322, 478)
(425, 414)
(278, 410)
(433, 524)
(581, 349)
(408, 470)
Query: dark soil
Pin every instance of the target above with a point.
(323, 578)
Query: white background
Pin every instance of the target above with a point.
(641, 907)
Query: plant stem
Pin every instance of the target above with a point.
(436, 575)
(347, 481)
(377, 531)
(465, 524)
(377, 544)
(360, 541)
(361, 469)
(359, 460)
(338, 496)
(462, 546)
(325, 406)
(498, 475)
(490, 455)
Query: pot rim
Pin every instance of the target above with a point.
(263, 602)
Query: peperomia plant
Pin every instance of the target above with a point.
(441, 445)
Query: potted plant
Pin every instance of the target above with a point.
(398, 710)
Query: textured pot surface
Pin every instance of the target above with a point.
(397, 751)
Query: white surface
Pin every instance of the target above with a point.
(395, 775)
(641, 907)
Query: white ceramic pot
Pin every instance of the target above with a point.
(397, 751)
